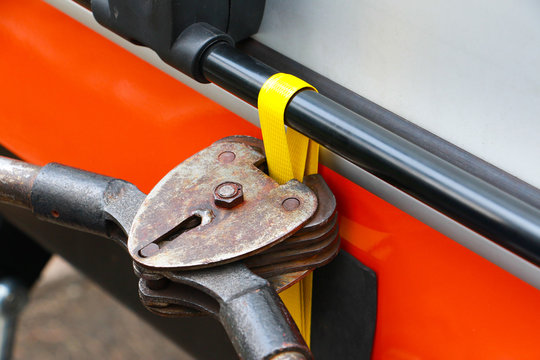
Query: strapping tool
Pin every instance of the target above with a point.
(216, 236)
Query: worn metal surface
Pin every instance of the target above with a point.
(178, 300)
(110, 266)
(284, 281)
(305, 239)
(326, 207)
(256, 320)
(318, 233)
(85, 201)
(228, 194)
(71, 197)
(16, 181)
(321, 259)
(321, 233)
(167, 215)
(254, 143)
(187, 204)
(291, 355)
(253, 315)
(121, 202)
(290, 255)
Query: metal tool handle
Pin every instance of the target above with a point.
(16, 181)
(257, 322)
(71, 197)
(253, 315)
(260, 327)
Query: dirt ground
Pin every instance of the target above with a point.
(68, 317)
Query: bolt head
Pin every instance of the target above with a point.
(228, 195)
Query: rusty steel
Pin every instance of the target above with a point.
(226, 157)
(254, 143)
(321, 227)
(290, 204)
(228, 194)
(306, 239)
(245, 301)
(180, 220)
(181, 300)
(287, 255)
(290, 355)
(327, 203)
(284, 281)
(321, 259)
(16, 181)
(174, 311)
(179, 214)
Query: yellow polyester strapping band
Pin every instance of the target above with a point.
(289, 155)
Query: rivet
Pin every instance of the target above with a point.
(290, 204)
(226, 157)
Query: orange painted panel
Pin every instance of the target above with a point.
(71, 96)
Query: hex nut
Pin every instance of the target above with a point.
(228, 195)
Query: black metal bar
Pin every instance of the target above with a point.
(236, 72)
(455, 193)
(397, 124)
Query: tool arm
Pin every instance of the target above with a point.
(251, 312)
(253, 315)
(71, 197)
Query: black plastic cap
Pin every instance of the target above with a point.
(189, 48)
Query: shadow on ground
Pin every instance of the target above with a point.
(68, 317)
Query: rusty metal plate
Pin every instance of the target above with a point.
(174, 311)
(322, 258)
(179, 226)
(327, 203)
(284, 281)
(177, 300)
(303, 240)
(287, 255)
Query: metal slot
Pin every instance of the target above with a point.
(188, 224)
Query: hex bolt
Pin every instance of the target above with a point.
(228, 195)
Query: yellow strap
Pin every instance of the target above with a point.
(289, 155)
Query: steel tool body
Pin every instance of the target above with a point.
(216, 236)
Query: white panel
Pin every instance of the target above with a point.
(468, 71)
